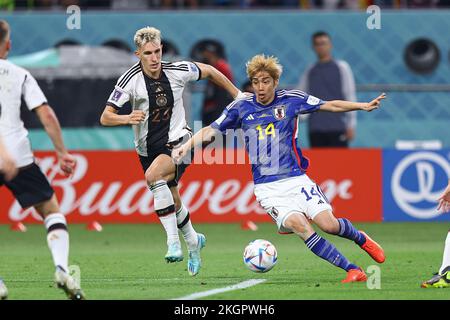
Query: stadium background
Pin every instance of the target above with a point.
(418, 107)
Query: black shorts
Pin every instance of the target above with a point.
(30, 186)
(167, 149)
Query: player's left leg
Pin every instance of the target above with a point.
(194, 241)
(58, 243)
(342, 227)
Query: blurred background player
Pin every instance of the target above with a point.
(9, 170)
(30, 187)
(154, 89)
(216, 97)
(442, 278)
(282, 187)
(329, 79)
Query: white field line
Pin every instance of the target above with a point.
(238, 286)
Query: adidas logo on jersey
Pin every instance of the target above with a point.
(250, 117)
(320, 202)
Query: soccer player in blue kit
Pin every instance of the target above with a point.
(269, 121)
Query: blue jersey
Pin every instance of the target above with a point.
(270, 132)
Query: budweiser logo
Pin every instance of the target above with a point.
(116, 197)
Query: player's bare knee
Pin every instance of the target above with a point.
(47, 207)
(153, 176)
(298, 224)
(331, 227)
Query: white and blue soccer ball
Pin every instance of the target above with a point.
(260, 255)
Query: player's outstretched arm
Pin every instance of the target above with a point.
(444, 200)
(111, 118)
(51, 125)
(204, 135)
(345, 106)
(209, 72)
(7, 164)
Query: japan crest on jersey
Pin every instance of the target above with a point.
(279, 112)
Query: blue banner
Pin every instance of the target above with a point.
(412, 183)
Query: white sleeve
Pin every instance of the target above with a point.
(122, 91)
(349, 90)
(188, 71)
(32, 93)
(118, 97)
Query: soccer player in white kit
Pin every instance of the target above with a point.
(9, 170)
(30, 187)
(154, 88)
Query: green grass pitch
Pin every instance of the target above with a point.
(126, 262)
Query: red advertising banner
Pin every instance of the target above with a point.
(109, 186)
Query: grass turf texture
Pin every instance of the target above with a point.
(127, 262)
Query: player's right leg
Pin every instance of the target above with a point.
(298, 223)
(3, 290)
(161, 170)
(442, 278)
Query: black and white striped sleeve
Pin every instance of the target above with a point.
(122, 90)
(186, 70)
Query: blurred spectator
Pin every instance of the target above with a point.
(421, 3)
(130, 5)
(443, 3)
(329, 79)
(216, 98)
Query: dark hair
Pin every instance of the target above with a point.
(4, 30)
(319, 34)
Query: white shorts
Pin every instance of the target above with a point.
(297, 194)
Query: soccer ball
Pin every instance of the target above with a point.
(260, 255)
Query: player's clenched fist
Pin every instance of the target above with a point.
(136, 117)
(67, 163)
(180, 152)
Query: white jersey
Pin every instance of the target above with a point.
(16, 82)
(160, 99)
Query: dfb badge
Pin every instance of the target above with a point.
(279, 112)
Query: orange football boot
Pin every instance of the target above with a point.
(355, 275)
(373, 249)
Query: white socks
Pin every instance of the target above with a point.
(169, 223)
(185, 226)
(58, 239)
(165, 209)
(446, 257)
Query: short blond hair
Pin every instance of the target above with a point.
(145, 35)
(261, 62)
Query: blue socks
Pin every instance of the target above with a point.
(348, 231)
(324, 249)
